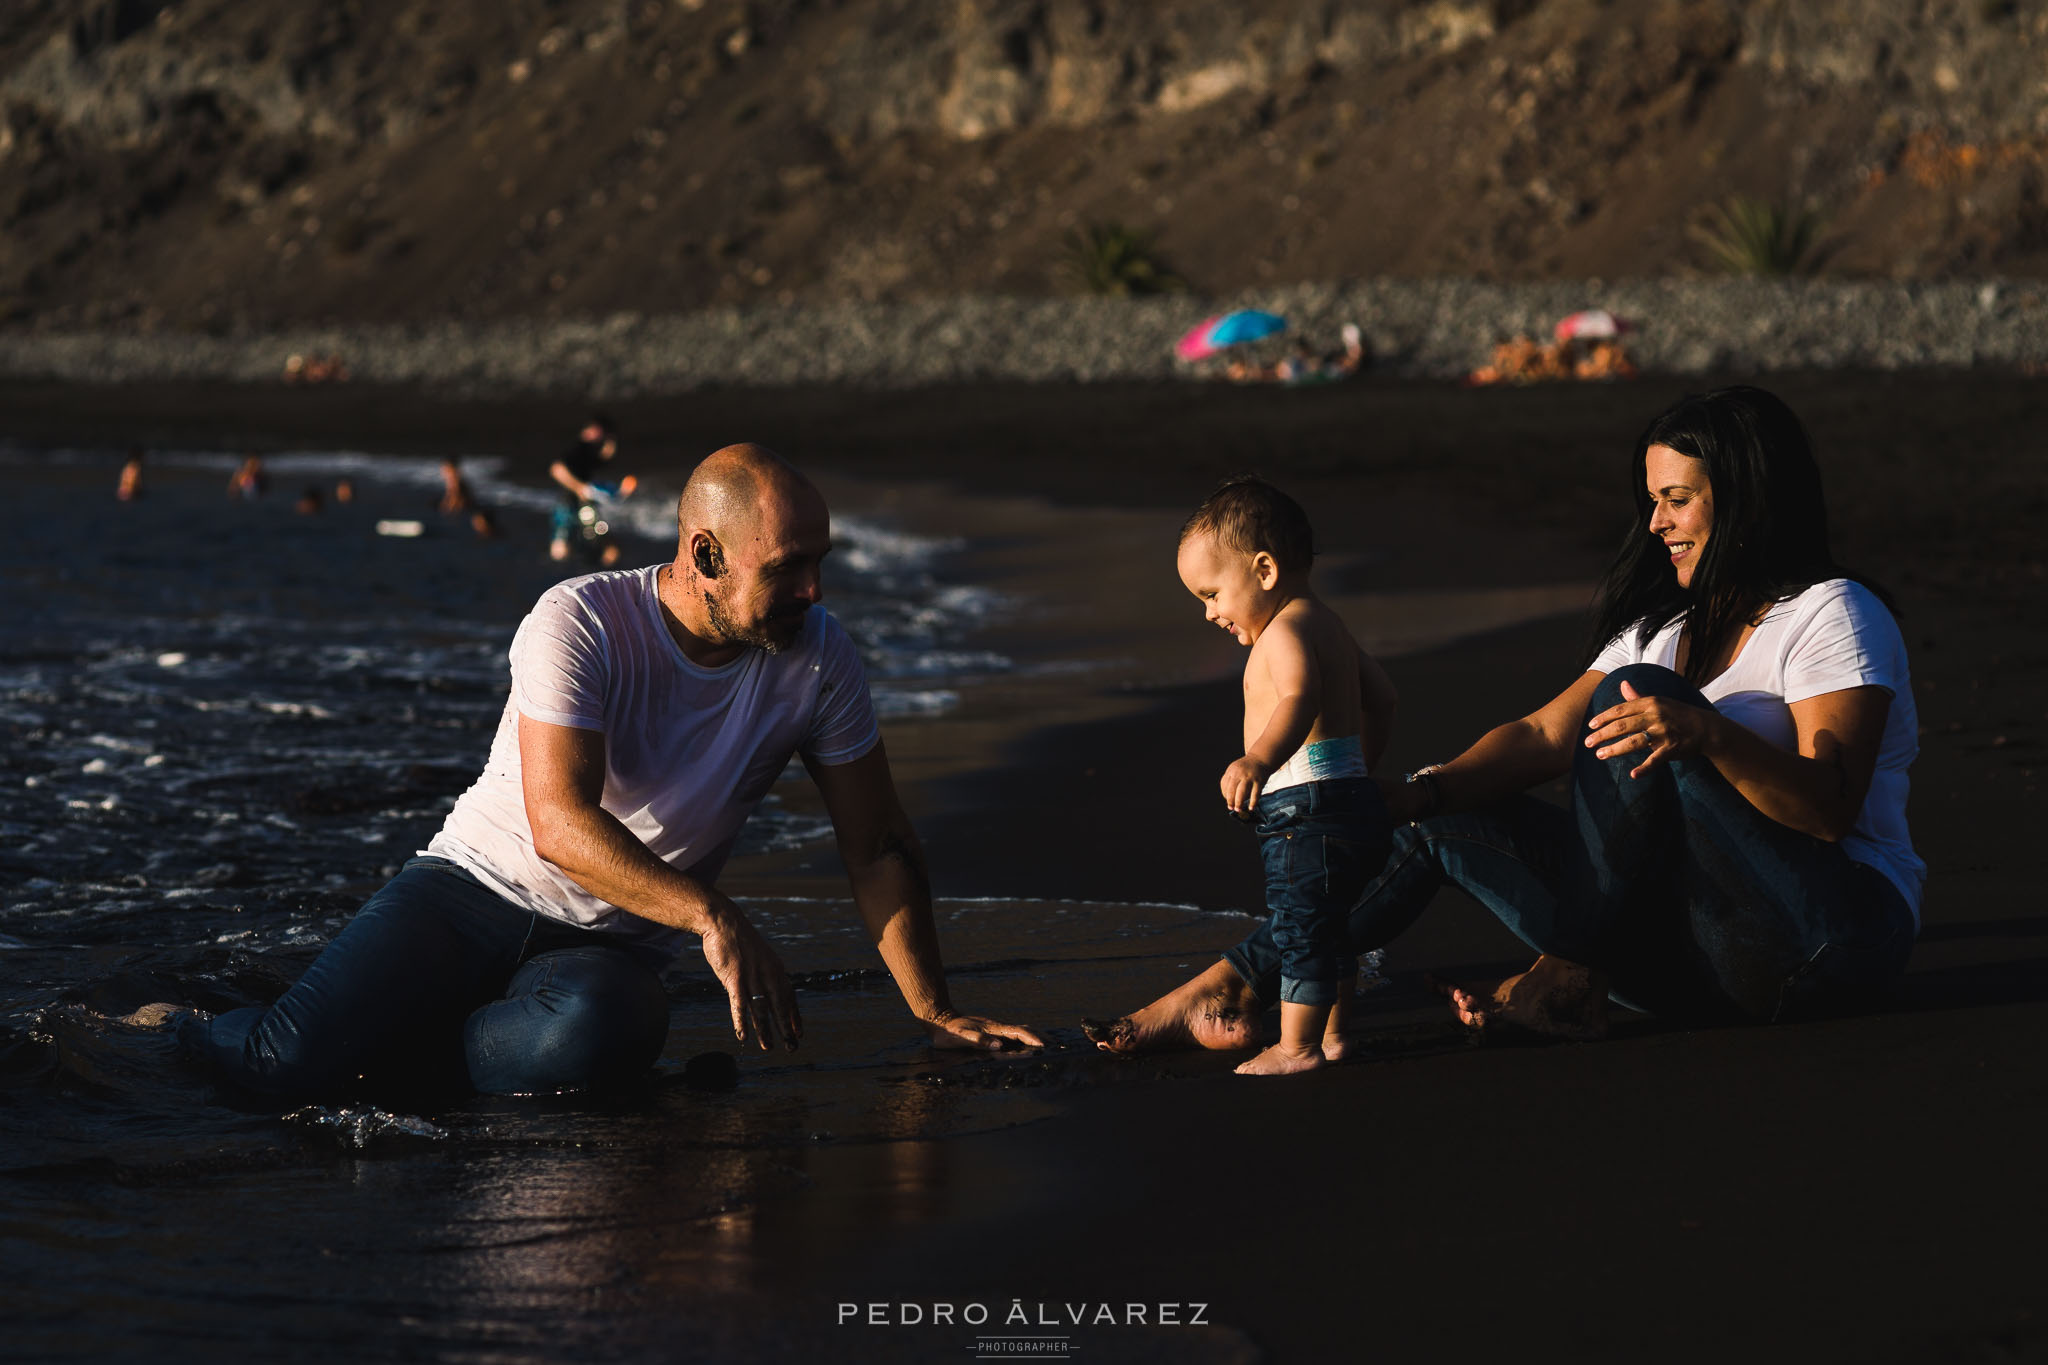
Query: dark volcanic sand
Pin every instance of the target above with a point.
(1866, 1188)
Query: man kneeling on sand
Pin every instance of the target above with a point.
(651, 710)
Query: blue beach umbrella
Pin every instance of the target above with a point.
(1230, 329)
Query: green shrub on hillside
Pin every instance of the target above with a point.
(1109, 258)
(1747, 236)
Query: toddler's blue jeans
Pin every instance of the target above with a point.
(435, 962)
(1695, 903)
(1321, 842)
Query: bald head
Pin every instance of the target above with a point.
(735, 489)
(752, 533)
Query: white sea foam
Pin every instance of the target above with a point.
(891, 704)
(881, 577)
(118, 744)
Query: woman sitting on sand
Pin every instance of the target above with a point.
(1736, 845)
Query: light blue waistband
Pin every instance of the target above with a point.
(1324, 760)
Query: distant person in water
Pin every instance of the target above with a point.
(580, 526)
(310, 501)
(650, 712)
(459, 500)
(130, 486)
(249, 482)
(456, 497)
(344, 490)
(1737, 744)
(1317, 712)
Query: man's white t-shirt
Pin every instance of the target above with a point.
(689, 751)
(1833, 636)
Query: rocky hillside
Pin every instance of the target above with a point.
(225, 164)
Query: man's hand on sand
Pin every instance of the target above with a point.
(763, 1001)
(971, 1030)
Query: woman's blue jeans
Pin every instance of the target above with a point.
(436, 963)
(1696, 904)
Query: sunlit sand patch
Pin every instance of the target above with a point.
(1391, 624)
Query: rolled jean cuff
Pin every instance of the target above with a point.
(1240, 962)
(1317, 993)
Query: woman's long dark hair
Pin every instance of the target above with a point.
(1769, 539)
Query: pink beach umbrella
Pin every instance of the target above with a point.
(1227, 329)
(1592, 324)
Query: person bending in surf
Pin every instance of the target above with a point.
(1317, 711)
(578, 519)
(651, 710)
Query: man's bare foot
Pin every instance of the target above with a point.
(1215, 1010)
(1281, 1060)
(1556, 998)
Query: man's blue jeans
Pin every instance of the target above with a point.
(1696, 904)
(1320, 842)
(436, 962)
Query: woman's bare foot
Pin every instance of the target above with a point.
(1281, 1060)
(158, 1016)
(1215, 1010)
(1554, 997)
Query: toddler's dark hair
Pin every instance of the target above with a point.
(1248, 515)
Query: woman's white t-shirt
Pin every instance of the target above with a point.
(1831, 637)
(689, 752)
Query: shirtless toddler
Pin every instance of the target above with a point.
(1315, 707)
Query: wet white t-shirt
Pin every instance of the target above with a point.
(1831, 637)
(689, 751)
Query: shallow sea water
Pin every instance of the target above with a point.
(225, 724)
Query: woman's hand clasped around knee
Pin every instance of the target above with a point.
(1657, 729)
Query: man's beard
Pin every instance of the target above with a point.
(731, 632)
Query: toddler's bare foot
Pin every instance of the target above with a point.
(1215, 1010)
(1280, 1060)
(1556, 998)
(1335, 1049)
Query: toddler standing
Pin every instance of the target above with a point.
(1315, 705)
